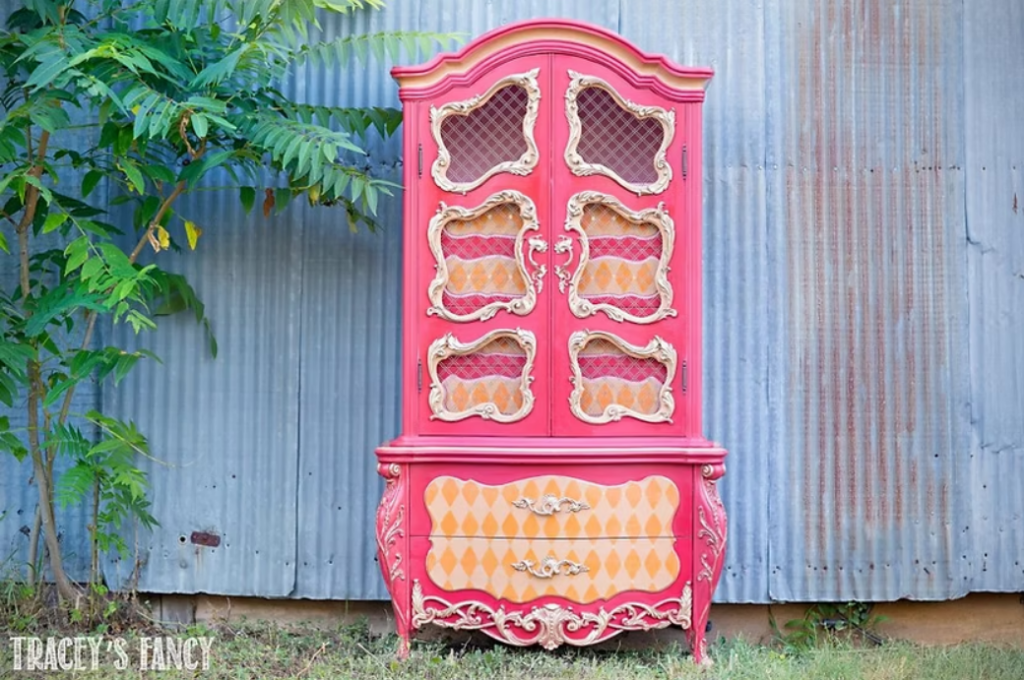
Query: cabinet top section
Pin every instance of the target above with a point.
(550, 36)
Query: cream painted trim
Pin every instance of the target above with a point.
(447, 346)
(657, 348)
(523, 166)
(550, 625)
(521, 305)
(583, 308)
(581, 168)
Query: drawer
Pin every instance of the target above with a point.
(519, 569)
(552, 506)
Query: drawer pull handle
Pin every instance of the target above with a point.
(550, 567)
(549, 505)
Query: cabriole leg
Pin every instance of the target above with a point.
(391, 545)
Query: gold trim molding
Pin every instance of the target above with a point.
(447, 346)
(534, 282)
(657, 348)
(549, 505)
(522, 166)
(666, 117)
(551, 625)
(658, 216)
(550, 567)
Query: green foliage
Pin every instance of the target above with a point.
(829, 623)
(170, 95)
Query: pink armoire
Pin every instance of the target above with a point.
(551, 484)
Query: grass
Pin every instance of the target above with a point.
(267, 651)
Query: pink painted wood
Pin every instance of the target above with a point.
(550, 442)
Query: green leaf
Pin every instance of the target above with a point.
(199, 124)
(89, 182)
(53, 221)
(47, 71)
(247, 195)
(136, 182)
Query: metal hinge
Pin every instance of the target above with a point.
(419, 375)
(419, 160)
(683, 371)
(685, 164)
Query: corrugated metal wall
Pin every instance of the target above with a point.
(993, 557)
(864, 281)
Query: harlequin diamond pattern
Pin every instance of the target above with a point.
(460, 507)
(492, 374)
(501, 220)
(462, 395)
(624, 261)
(487, 136)
(613, 565)
(613, 137)
(494, 275)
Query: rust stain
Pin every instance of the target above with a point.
(205, 538)
(872, 267)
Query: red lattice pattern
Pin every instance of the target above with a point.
(624, 261)
(492, 374)
(480, 256)
(613, 137)
(611, 376)
(486, 136)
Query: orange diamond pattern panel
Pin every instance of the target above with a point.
(461, 507)
(461, 395)
(612, 566)
(611, 275)
(501, 220)
(488, 275)
(599, 394)
(600, 220)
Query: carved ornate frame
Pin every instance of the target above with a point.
(534, 282)
(657, 348)
(578, 166)
(658, 216)
(523, 166)
(550, 625)
(447, 346)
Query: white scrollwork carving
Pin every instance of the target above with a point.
(550, 504)
(390, 517)
(550, 567)
(521, 166)
(657, 348)
(521, 305)
(447, 346)
(712, 533)
(583, 308)
(667, 118)
(563, 245)
(550, 625)
(538, 245)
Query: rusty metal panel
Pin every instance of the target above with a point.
(223, 431)
(994, 94)
(866, 211)
(729, 37)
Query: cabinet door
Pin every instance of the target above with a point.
(620, 324)
(482, 313)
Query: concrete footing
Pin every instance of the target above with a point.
(996, 618)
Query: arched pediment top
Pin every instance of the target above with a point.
(550, 36)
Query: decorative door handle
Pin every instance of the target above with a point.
(563, 245)
(538, 245)
(550, 567)
(550, 504)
